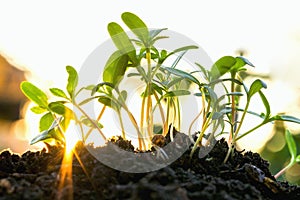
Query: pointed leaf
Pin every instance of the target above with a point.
(122, 41)
(48, 135)
(72, 80)
(245, 60)
(222, 66)
(286, 118)
(176, 93)
(115, 68)
(256, 86)
(46, 121)
(291, 144)
(57, 107)
(38, 110)
(136, 25)
(153, 33)
(266, 104)
(183, 74)
(185, 48)
(58, 92)
(34, 94)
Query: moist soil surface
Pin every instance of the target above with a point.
(37, 175)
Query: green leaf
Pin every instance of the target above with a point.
(123, 95)
(256, 86)
(122, 41)
(183, 74)
(291, 144)
(109, 102)
(34, 94)
(245, 60)
(286, 118)
(266, 104)
(38, 110)
(51, 133)
(153, 33)
(137, 26)
(46, 121)
(88, 122)
(58, 92)
(72, 80)
(222, 66)
(57, 107)
(115, 68)
(298, 159)
(176, 93)
(185, 48)
(204, 71)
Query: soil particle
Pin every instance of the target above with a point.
(34, 175)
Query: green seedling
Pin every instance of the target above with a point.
(217, 112)
(293, 152)
(137, 58)
(57, 115)
(163, 84)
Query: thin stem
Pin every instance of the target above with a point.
(232, 110)
(251, 130)
(241, 122)
(92, 121)
(161, 110)
(142, 114)
(122, 125)
(282, 171)
(194, 120)
(149, 114)
(98, 119)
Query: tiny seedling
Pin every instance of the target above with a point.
(136, 57)
(293, 152)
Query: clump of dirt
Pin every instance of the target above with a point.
(35, 175)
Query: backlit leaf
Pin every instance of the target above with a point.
(58, 92)
(136, 25)
(222, 66)
(256, 86)
(72, 80)
(46, 121)
(115, 68)
(291, 144)
(34, 94)
(122, 41)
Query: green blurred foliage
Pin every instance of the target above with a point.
(276, 152)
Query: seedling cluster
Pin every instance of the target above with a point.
(163, 85)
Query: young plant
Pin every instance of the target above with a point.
(293, 152)
(57, 114)
(230, 111)
(130, 55)
(160, 85)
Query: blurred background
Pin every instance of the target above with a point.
(38, 39)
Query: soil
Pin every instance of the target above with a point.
(36, 175)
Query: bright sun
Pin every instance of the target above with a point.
(71, 137)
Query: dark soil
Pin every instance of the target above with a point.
(36, 175)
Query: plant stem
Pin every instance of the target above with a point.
(122, 125)
(251, 130)
(92, 121)
(98, 119)
(161, 113)
(232, 110)
(142, 114)
(241, 122)
(284, 169)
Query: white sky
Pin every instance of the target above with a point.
(45, 36)
(48, 36)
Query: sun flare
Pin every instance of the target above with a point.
(71, 138)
